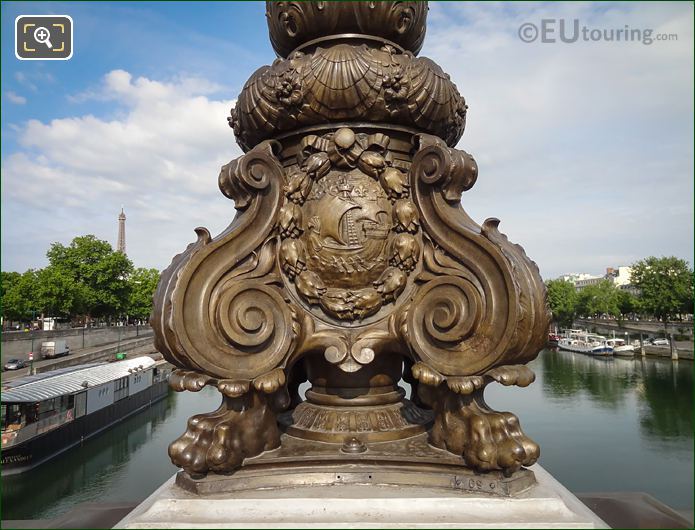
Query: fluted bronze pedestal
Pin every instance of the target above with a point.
(351, 264)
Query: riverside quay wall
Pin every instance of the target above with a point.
(18, 344)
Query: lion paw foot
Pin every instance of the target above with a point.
(220, 441)
(486, 439)
(496, 441)
(190, 450)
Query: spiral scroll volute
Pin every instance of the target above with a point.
(481, 301)
(451, 170)
(218, 307)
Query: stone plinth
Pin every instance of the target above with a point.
(547, 504)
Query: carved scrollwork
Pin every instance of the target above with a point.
(219, 306)
(244, 177)
(451, 170)
(481, 300)
(350, 262)
(349, 349)
(444, 313)
(253, 317)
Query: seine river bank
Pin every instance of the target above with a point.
(603, 424)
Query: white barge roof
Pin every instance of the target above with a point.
(74, 381)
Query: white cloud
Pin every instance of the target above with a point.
(585, 149)
(118, 86)
(159, 157)
(15, 98)
(34, 79)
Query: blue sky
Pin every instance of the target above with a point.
(218, 41)
(585, 150)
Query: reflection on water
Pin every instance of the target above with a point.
(603, 424)
(605, 379)
(663, 388)
(610, 424)
(125, 463)
(668, 393)
(82, 469)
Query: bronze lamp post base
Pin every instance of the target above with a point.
(351, 264)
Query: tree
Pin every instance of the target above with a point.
(143, 283)
(599, 298)
(99, 273)
(627, 302)
(7, 281)
(562, 298)
(665, 284)
(19, 297)
(56, 293)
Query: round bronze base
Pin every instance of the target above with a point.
(393, 421)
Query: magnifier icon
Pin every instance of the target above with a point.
(43, 36)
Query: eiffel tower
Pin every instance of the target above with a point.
(120, 247)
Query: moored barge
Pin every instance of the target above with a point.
(46, 414)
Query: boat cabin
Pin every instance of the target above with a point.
(34, 405)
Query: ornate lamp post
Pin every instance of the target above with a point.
(351, 264)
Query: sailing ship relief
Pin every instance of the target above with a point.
(348, 228)
(349, 221)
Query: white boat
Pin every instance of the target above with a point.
(580, 341)
(46, 414)
(621, 348)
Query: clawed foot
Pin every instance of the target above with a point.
(494, 440)
(486, 439)
(465, 425)
(219, 441)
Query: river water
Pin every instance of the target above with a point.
(602, 424)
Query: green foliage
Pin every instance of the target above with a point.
(665, 284)
(56, 293)
(562, 298)
(19, 297)
(143, 283)
(627, 302)
(597, 299)
(7, 281)
(87, 277)
(98, 274)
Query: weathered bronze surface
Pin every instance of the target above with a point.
(351, 264)
(407, 462)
